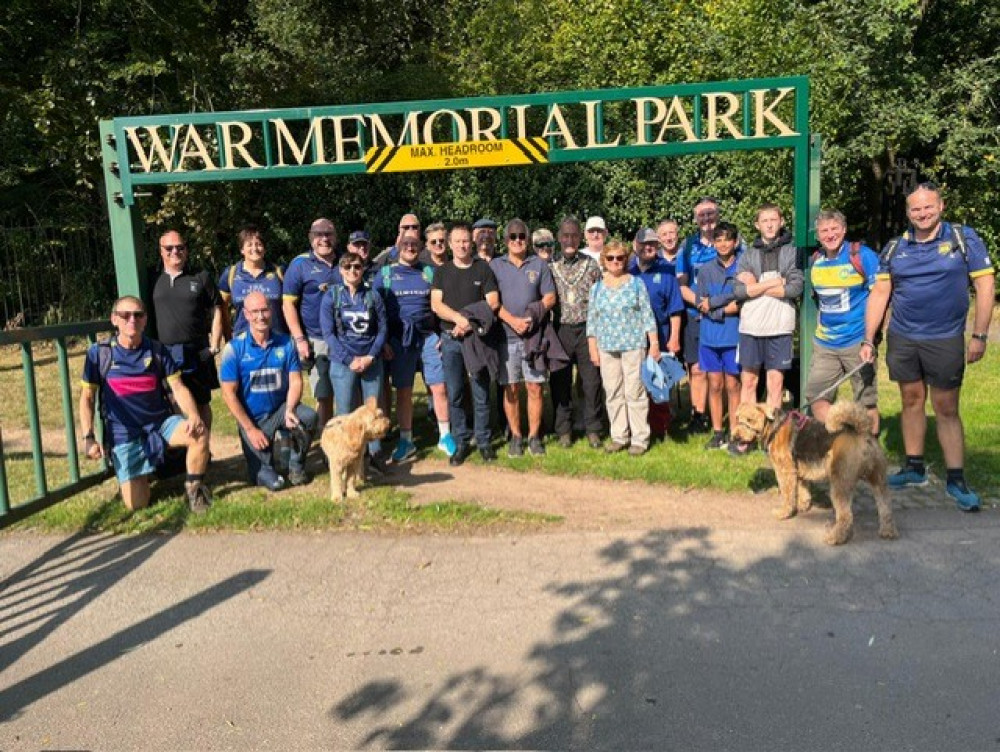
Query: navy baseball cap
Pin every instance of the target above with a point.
(359, 236)
(484, 222)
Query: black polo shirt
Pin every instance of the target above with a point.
(183, 307)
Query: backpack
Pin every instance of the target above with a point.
(855, 258)
(957, 236)
(338, 303)
(231, 277)
(174, 460)
(427, 272)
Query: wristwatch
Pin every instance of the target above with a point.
(981, 336)
(89, 436)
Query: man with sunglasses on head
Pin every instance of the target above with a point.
(307, 280)
(522, 279)
(262, 387)
(130, 372)
(189, 313)
(925, 276)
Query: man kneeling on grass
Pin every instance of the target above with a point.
(262, 385)
(130, 371)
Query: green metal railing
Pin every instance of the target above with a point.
(45, 496)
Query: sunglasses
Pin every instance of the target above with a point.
(409, 227)
(174, 248)
(614, 258)
(353, 267)
(518, 236)
(129, 315)
(436, 241)
(545, 244)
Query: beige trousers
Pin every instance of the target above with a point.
(625, 397)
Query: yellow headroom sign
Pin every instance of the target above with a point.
(458, 155)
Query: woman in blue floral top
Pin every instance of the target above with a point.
(620, 326)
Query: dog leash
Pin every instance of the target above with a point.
(836, 385)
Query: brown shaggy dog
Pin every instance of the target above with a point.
(843, 451)
(344, 440)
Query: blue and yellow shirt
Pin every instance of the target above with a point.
(261, 371)
(841, 296)
(268, 282)
(306, 282)
(930, 283)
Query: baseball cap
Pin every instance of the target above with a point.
(646, 235)
(484, 222)
(595, 222)
(359, 236)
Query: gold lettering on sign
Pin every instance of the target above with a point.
(286, 139)
(726, 118)
(409, 135)
(676, 110)
(195, 147)
(661, 113)
(561, 128)
(156, 148)
(340, 139)
(480, 133)
(520, 113)
(767, 113)
(642, 122)
(229, 146)
(592, 142)
(461, 130)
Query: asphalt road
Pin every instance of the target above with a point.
(692, 637)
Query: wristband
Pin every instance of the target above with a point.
(89, 436)
(869, 343)
(981, 336)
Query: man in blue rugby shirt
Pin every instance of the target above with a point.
(307, 280)
(842, 276)
(406, 289)
(925, 275)
(262, 386)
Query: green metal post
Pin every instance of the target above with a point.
(31, 398)
(803, 197)
(71, 455)
(4, 491)
(130, 269)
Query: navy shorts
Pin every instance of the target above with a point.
(774, 353)
(938, 362)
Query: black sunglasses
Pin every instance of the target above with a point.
(614, 258)
(518, 236)
(353, 267)
(129, 315)
(174, 248)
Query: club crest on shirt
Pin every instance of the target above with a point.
(147, 362)
(532, 276)
(280, 353)
(194, 285)
(944, 248)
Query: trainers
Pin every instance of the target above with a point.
(535, 446)
(298, 478)
(376, 466)
(636, 450)
(267, 477)
(965, 498)
(198, 496)
(594, 440)
(718, 441)
(405, 450)
(565, 440)
(699, 423)
(488, 454)
(907, 478)
(447, 445)
(515, 448)
(614, 447)
(739, 449)
(462, 452)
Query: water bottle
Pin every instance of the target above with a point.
(281, 451)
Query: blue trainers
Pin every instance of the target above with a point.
(965, 498)
(405, 450)
(447, 445)
(907, 478)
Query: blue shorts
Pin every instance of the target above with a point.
(774, 353)
(515, 368)
(130, 461)
(718, 360)
(403, 366)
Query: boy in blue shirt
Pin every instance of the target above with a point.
(719, 333)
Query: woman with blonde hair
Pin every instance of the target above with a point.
(620, 328)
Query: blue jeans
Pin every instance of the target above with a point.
(345, 384)
(256, 458)
(454, 379)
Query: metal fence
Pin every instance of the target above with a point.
(51, 275)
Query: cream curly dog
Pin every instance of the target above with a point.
(344, 440)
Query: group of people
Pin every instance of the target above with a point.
(577, 309)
